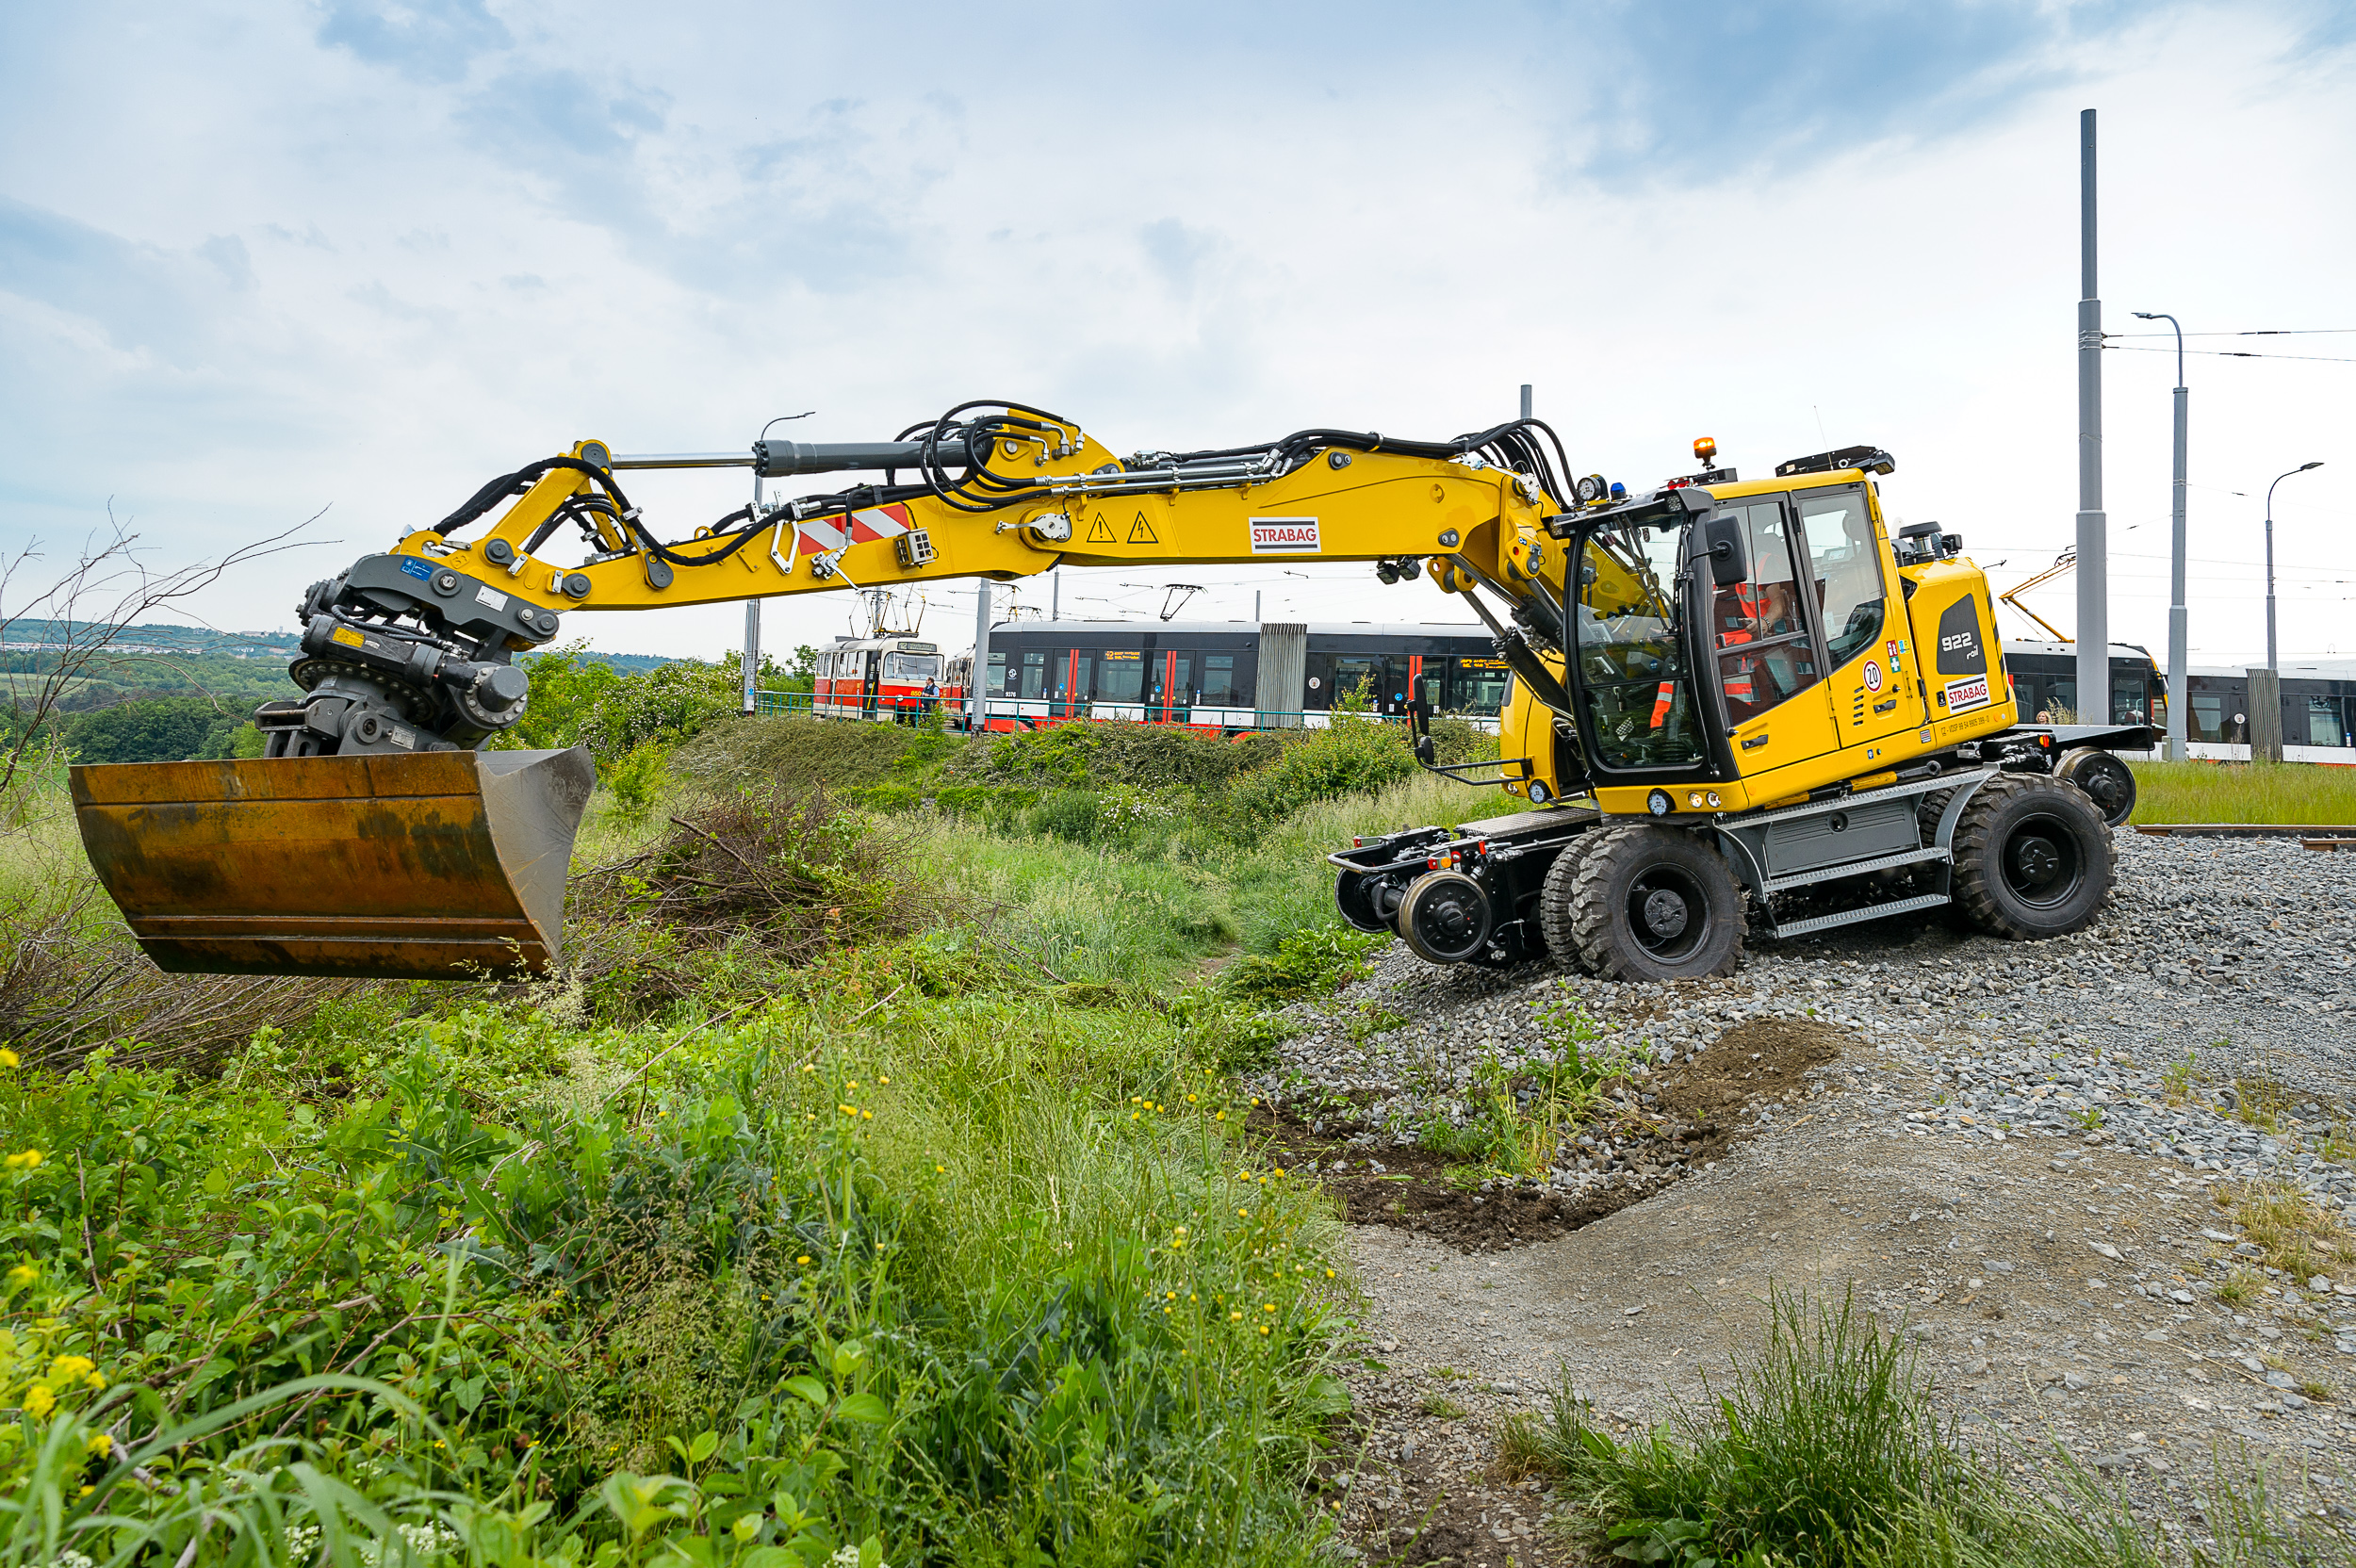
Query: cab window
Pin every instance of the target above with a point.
(1634, 697)
(1759, 631)
(1847, 572)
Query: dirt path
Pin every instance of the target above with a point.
(2012, 1264)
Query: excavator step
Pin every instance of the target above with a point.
(1851, 917)
(434, 865)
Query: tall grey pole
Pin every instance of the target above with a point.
(752, 654)
(1525, 399)
(2178, 681)
(1256, 607)
(2094, 601)
(975, 681)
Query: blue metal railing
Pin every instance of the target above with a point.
(903, 709)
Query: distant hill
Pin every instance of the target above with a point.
(235, 669)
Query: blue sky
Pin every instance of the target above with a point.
(260, 260)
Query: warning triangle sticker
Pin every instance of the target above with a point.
(1141, 531)
(1100, 531)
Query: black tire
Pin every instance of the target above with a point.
(1353, 895)
(2104, 780)
(1446, 917)
(2034, 858)
(1554, 904)
(1928, 810)
(1656, 904)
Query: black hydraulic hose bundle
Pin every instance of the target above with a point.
(946, 444)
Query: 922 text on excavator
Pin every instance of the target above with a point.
(1736, 704)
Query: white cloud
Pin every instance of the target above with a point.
(251, 264)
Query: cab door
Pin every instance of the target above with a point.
(1853, 583)
(1762, 644)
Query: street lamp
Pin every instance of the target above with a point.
(2178, 656)
(2271, 665)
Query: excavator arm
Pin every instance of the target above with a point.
(377, 835)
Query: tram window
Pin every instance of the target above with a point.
(1034, 672)
(2057, 700)
(1478, 686)
(1357, 683)
(1122, 677)
(2323, 722)
(1220, 688)
(995, 682)
(912, 666)
(2128, 700)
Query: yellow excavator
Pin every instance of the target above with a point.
(1734, 704)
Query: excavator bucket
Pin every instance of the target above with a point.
(430, 865)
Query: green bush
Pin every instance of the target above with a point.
(163, 729)
(1074, 814)
(1093, 755)
(887, 797)
(1457, 739)
(1305, 963)
(794, 753)
(1350, 758)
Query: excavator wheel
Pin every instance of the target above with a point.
(1927, 812)
(1656, 904)
(1554, 904)
(1446, 917)
(2034, 858)
(2106, 781)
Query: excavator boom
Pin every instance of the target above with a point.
(382, 833)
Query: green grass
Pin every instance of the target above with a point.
(2294, 792)
(1824, 1447)
(484, 1269)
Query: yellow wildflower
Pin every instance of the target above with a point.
(886, 1082)
(23, 1274)
(25, 1160)
(804, 1258)
(7, 1058)
(100, 1445)
(39, 1401)
(66, 1368)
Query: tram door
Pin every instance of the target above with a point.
(871, 682)
(1355, 679)
(1173, 688)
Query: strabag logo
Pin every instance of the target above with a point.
(1962, 695)
(1283, 536)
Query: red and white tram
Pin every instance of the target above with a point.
(883, 678)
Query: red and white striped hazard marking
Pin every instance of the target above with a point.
(821, 534)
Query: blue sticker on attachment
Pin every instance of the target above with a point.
(415, 568)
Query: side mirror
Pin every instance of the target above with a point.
(1424, 752)
(1721, 536)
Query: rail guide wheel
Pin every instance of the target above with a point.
(2105, 781)
(1655, 904)
(1446, 917)
(2033, 857)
